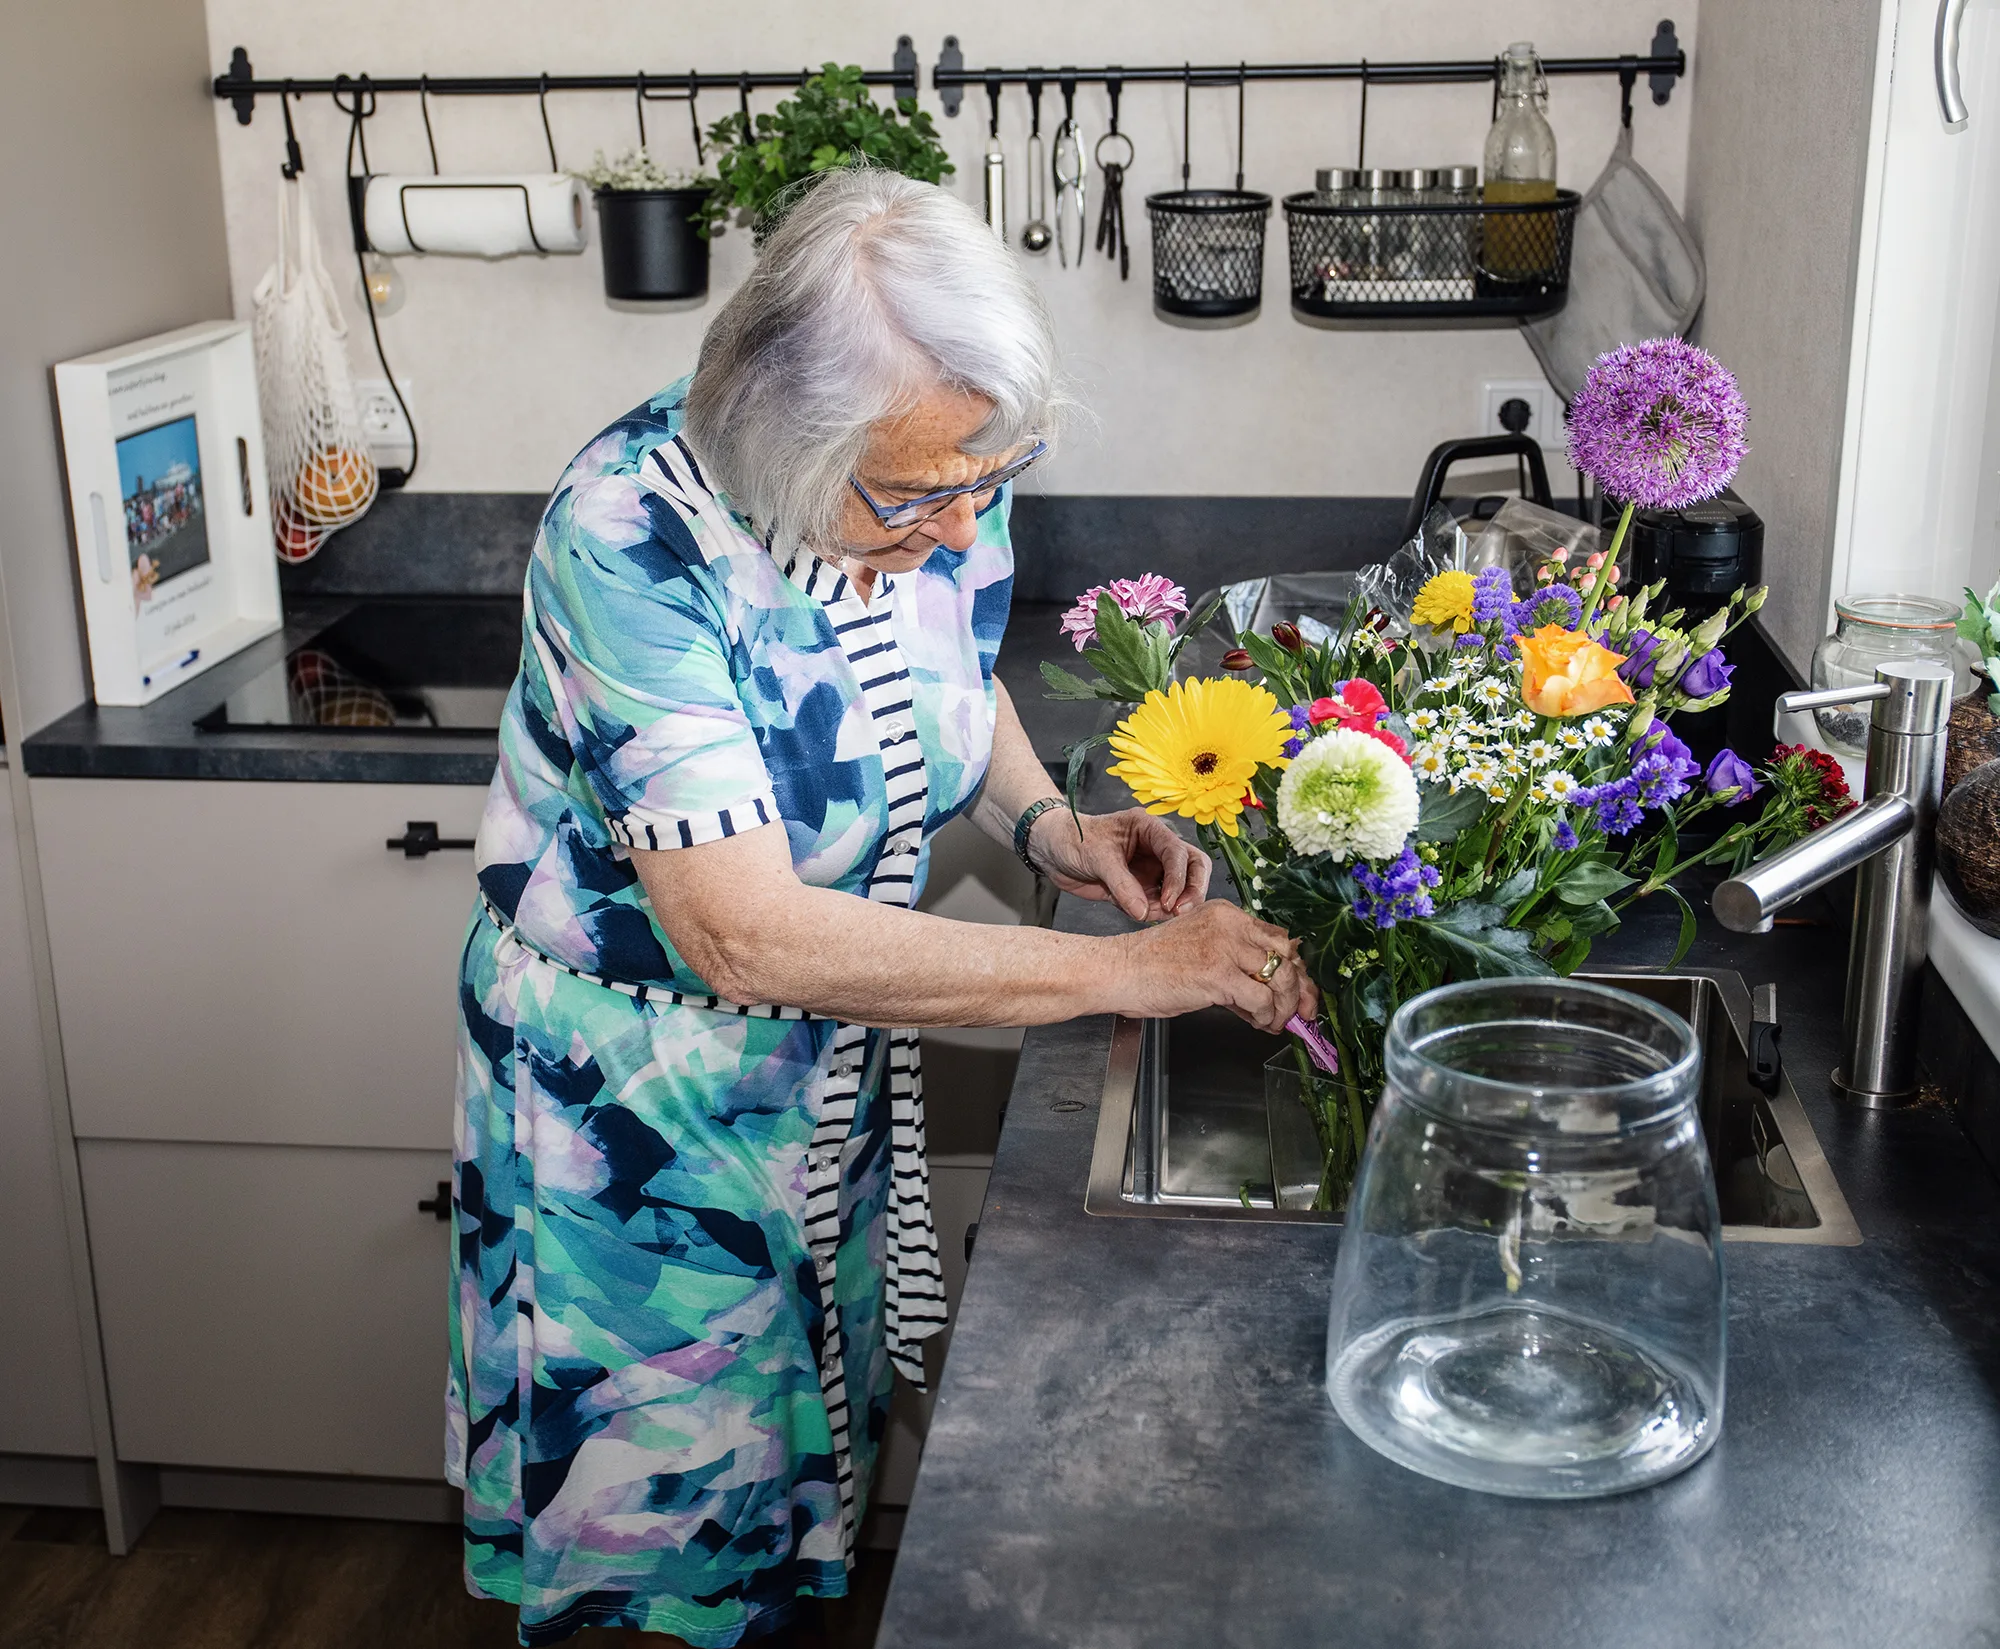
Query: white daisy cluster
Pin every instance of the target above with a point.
(1470, 728)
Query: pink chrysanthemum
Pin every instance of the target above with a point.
(1145, 598)
(1658, 424)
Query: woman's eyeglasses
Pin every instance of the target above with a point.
(915, 512)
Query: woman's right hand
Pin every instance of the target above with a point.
(1211, 958)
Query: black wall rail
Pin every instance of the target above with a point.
(240, 86)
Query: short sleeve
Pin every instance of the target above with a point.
(641, 673)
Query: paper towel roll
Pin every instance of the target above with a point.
(475, 217)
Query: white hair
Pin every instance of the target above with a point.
(873, 290)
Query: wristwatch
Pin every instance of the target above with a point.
(1026, 823)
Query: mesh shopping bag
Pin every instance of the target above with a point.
(322, 478)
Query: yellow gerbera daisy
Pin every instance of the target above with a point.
(1194, 749)
(1445, 600)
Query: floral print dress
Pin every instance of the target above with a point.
(693, 1236)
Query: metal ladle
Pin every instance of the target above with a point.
(1036, 235)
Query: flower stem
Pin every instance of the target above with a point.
(1604, 572)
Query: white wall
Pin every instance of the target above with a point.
(515, 364)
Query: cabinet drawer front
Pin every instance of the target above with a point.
(251, 962)
(271, 1308)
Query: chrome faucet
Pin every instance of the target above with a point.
(1889, 836)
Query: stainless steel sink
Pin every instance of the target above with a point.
(1182, 1132)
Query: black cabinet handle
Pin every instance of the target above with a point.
(438, 1207)
(420, 836)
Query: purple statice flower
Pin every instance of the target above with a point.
(1470, 639)
(1492, 595)
(1616, 804)
(1564, 838)
(1399, 892)
(1558, 605)
(1642, 654)
(1293, 747)
(1730, 771)
(1301, 717)
(1148, 597)
(1708, 674)
(1663, 768)
(1658, 424)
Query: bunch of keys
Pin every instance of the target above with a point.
(1111, 238)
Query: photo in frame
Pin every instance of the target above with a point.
(163, 448)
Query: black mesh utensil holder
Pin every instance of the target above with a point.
(1208, 251)
(1376, 262)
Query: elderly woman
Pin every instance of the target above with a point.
(756, 679)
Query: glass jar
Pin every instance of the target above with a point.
(1868, 630)
(1340, 246)
(1460, 188)
(1529, 1294)
(1417, 256)
(1520, 166)
(1376, 238)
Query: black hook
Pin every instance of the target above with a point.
(993, 107)
(1114, 84)
(1068, 84)
(1240, 69)
(424, 103)
(1187, 103)
(294, 162)
(1361, 143)
(743, 101)
(542, 97)
(694, 118)
(640, 102)
(1628, 77)
(1034, 104)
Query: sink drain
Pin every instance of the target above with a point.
(1067, 1105)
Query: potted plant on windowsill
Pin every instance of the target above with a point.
(652, 224)
(763, 163)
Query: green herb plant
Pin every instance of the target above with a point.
(761, 162)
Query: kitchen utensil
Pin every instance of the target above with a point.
(1528, 1298)
(1066, 165)
(1869, 630)
(996, 164)
(1208, 244)
(1036, 234)
(1111, 238)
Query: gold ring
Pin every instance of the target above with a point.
(1269, 971)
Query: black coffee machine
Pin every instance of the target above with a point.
(1703, 552)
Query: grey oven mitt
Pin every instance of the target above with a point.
(1635, 273)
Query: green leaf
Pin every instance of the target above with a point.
(1063, 685)
(1442, 815)
(1686, 939)
(1196, 621)
(1473, 937)
(1591, 920)
(1591, 881)
(1517, 887)
(1079, 767)
(1670, 842)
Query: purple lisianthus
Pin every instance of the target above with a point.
(1399, 892)
(1730, 772)
(1658, 424)
(1708, 674)
(1642, 653)
(1492, 595)
(1564, 838)
(1663, 768)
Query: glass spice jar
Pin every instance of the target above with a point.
(1870, 630)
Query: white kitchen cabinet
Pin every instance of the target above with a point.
(271, 1308)
(42, 1407)
(250, 963)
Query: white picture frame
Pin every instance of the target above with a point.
(164, 452)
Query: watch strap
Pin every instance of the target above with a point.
(1026, 823)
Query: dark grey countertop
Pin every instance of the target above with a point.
(161, 740)
(1132, 1447)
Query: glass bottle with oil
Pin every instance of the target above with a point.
(1520, 168)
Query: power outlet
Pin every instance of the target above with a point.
(1545, 412)
(382, 419)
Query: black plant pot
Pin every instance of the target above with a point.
(651, 250)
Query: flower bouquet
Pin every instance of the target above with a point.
(1483, 795)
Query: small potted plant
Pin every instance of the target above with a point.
(762, 164)
(653, 226)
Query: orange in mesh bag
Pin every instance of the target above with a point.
(322, 478)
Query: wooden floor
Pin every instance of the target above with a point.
(233, 1580)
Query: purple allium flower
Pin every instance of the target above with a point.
(1708, 674)
(1564, 838)
(1558, 605)
(1730, 771)
(1492, 595)
(1399, 892)
(1658, 424)
(1148, 597)
(1642, 653)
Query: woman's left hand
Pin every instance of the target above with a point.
(1131, 858)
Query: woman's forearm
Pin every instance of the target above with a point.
(757, 934)
(1015, 777)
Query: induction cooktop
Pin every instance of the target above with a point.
(408, 666)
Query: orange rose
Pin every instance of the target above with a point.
(1565, 673)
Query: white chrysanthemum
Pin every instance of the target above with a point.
(1424, 722)
(1572, 736)
(1348, 795)
(1599, 731)
(1430, 762)
(1561, 786)
(1540, 751)
(1492, 692)
(1522, 720)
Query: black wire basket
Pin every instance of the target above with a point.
(1366, 262)
(1208, 252)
